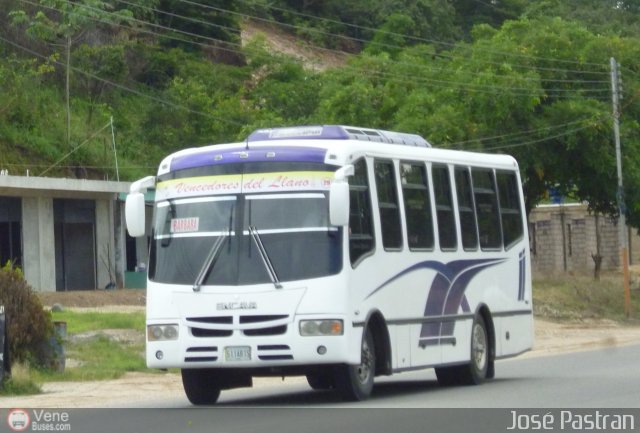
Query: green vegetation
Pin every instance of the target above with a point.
(21, 382)
(78, 322)
(102, 346)
(529, 78)
(97, 358)
(581, 298)
(29, 326)
(98, 346)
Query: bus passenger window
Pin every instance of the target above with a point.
(484, 191)
(388, 205)
(512, 223)
(444, 208)
(466, 210)
(361, 240)
(417, 206)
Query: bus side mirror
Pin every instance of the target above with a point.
(339, 197)
(134, 212)
(134, 207)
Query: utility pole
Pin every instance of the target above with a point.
(622, 223)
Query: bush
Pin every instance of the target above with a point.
(29, 326)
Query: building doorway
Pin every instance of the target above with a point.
(11, 231)
(75, 244)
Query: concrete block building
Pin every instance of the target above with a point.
(66, 234)
(563, 238)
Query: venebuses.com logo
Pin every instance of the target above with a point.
(18, 420)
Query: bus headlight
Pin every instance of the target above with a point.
(162, 332)
(321, 327)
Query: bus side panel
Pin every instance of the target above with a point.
(423, 354)
(514, 335)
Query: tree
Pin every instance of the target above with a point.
(62, 24)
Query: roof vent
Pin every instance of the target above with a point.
(338, 132)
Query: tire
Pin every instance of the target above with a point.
(320, 381)
(355, 382)
(201, 386)
(476, 371)
(448, 376)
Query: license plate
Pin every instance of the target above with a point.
(237, 353)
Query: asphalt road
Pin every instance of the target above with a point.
(607, 378)
(570, 390)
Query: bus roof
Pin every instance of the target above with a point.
(330, 144)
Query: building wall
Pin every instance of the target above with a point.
(38, 197)
(563, 239)
(39, 262)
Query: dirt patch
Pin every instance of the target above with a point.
(141, 389)
(312, 57)
(94, 298)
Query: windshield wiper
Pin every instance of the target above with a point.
(210, 261)
(265, 257)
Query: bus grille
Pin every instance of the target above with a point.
(202, 354)
(254, 325)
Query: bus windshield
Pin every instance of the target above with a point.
(293, 227)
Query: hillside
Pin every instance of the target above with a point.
(286, 44)
(528, 78)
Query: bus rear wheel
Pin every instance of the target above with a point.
(201, 385)
(355, 382)
(477, 370)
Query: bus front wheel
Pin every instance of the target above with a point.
(355, 382)
(201, 385)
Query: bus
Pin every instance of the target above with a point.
(337, 253)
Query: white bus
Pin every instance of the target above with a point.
(335, 252)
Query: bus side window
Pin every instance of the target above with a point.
(485, 194)
(444, 207)
(361, 240)
(388, 207)
(466, 209)
(417, 206)
(510, 212)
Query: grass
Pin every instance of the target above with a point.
(21, 382)
(92, 354)
(578, 297)
(78, 322)
(96, 356)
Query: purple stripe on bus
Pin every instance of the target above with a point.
(241, 154)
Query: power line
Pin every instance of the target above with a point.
(483, 88)
(459, 144)
(414, 38)
(410, 79)
(122, 87)
(527, 143)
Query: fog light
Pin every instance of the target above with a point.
(159, 355)
(322, 350)
(162, 332)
